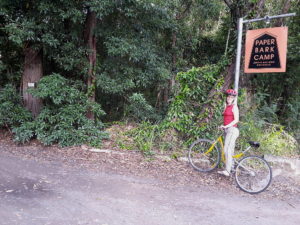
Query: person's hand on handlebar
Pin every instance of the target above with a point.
(222, 127)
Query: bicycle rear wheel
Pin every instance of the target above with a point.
(253, 174)
(203, 155)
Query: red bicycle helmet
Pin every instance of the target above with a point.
(231, 92)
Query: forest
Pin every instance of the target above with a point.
(72, 69)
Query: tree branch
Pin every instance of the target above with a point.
(180, 16)
(228, 3)
(260, 7)
(286, 7)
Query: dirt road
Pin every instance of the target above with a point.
(35, 192)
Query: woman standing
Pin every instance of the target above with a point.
(231, 118)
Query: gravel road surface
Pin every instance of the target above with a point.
(35, 192)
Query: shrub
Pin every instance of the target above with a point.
(63, 118)
(292, 120)
(12, 113)
(273, 138)
(140, 110)
(185, 112)
(191, 110)
(153, 138)
(259, 122)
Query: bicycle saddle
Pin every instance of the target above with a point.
(254, 144)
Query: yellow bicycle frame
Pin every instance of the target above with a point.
(220, 140)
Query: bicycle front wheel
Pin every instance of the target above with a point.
(203, 155)
(253, 174)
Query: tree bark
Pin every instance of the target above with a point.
(174, 60)
(90, 42)
(171, 82)
(240, 9)
(260, 7)
(285, 9)
(33, 71)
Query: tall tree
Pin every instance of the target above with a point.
(131, 39)
(21, 15)
(90, 42)
(36, 28)
(181, 13)
(194, 21)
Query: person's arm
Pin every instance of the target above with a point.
(236, 116)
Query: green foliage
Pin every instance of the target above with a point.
(134, 42)
(145, 137)
(135, 51)
(185, 121)
(260, 123)
(25, 132)
(140, 110)
(156, 138)
(134, 55)
(292, 115)
(273, 138)
(186, 113)
(12, 113)
(63, 119)
(141, 44)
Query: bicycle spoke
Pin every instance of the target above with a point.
(203, 155)
(253, 174)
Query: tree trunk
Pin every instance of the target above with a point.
(164, 92)
(90, 42)
(33, 71)
(174, 60)
(171, 83)
(239, 8)
(285, 9)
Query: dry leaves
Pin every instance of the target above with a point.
(168, 172)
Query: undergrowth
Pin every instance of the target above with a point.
(63, 117)
(186, 120)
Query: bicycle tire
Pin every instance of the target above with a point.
(253, 174)
(203, 161)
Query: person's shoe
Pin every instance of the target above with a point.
(224, 173)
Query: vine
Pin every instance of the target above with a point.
(193, 106)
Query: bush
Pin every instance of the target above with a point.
(273, 138)
(63, 118)
(192, 114)
(139, 110)
(191, 110)
(292, 120)
(259, 122)
(12, 113)
(154, 138)
(185, 120)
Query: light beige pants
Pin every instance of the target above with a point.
(231, 134)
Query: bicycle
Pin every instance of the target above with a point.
(252, 173)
